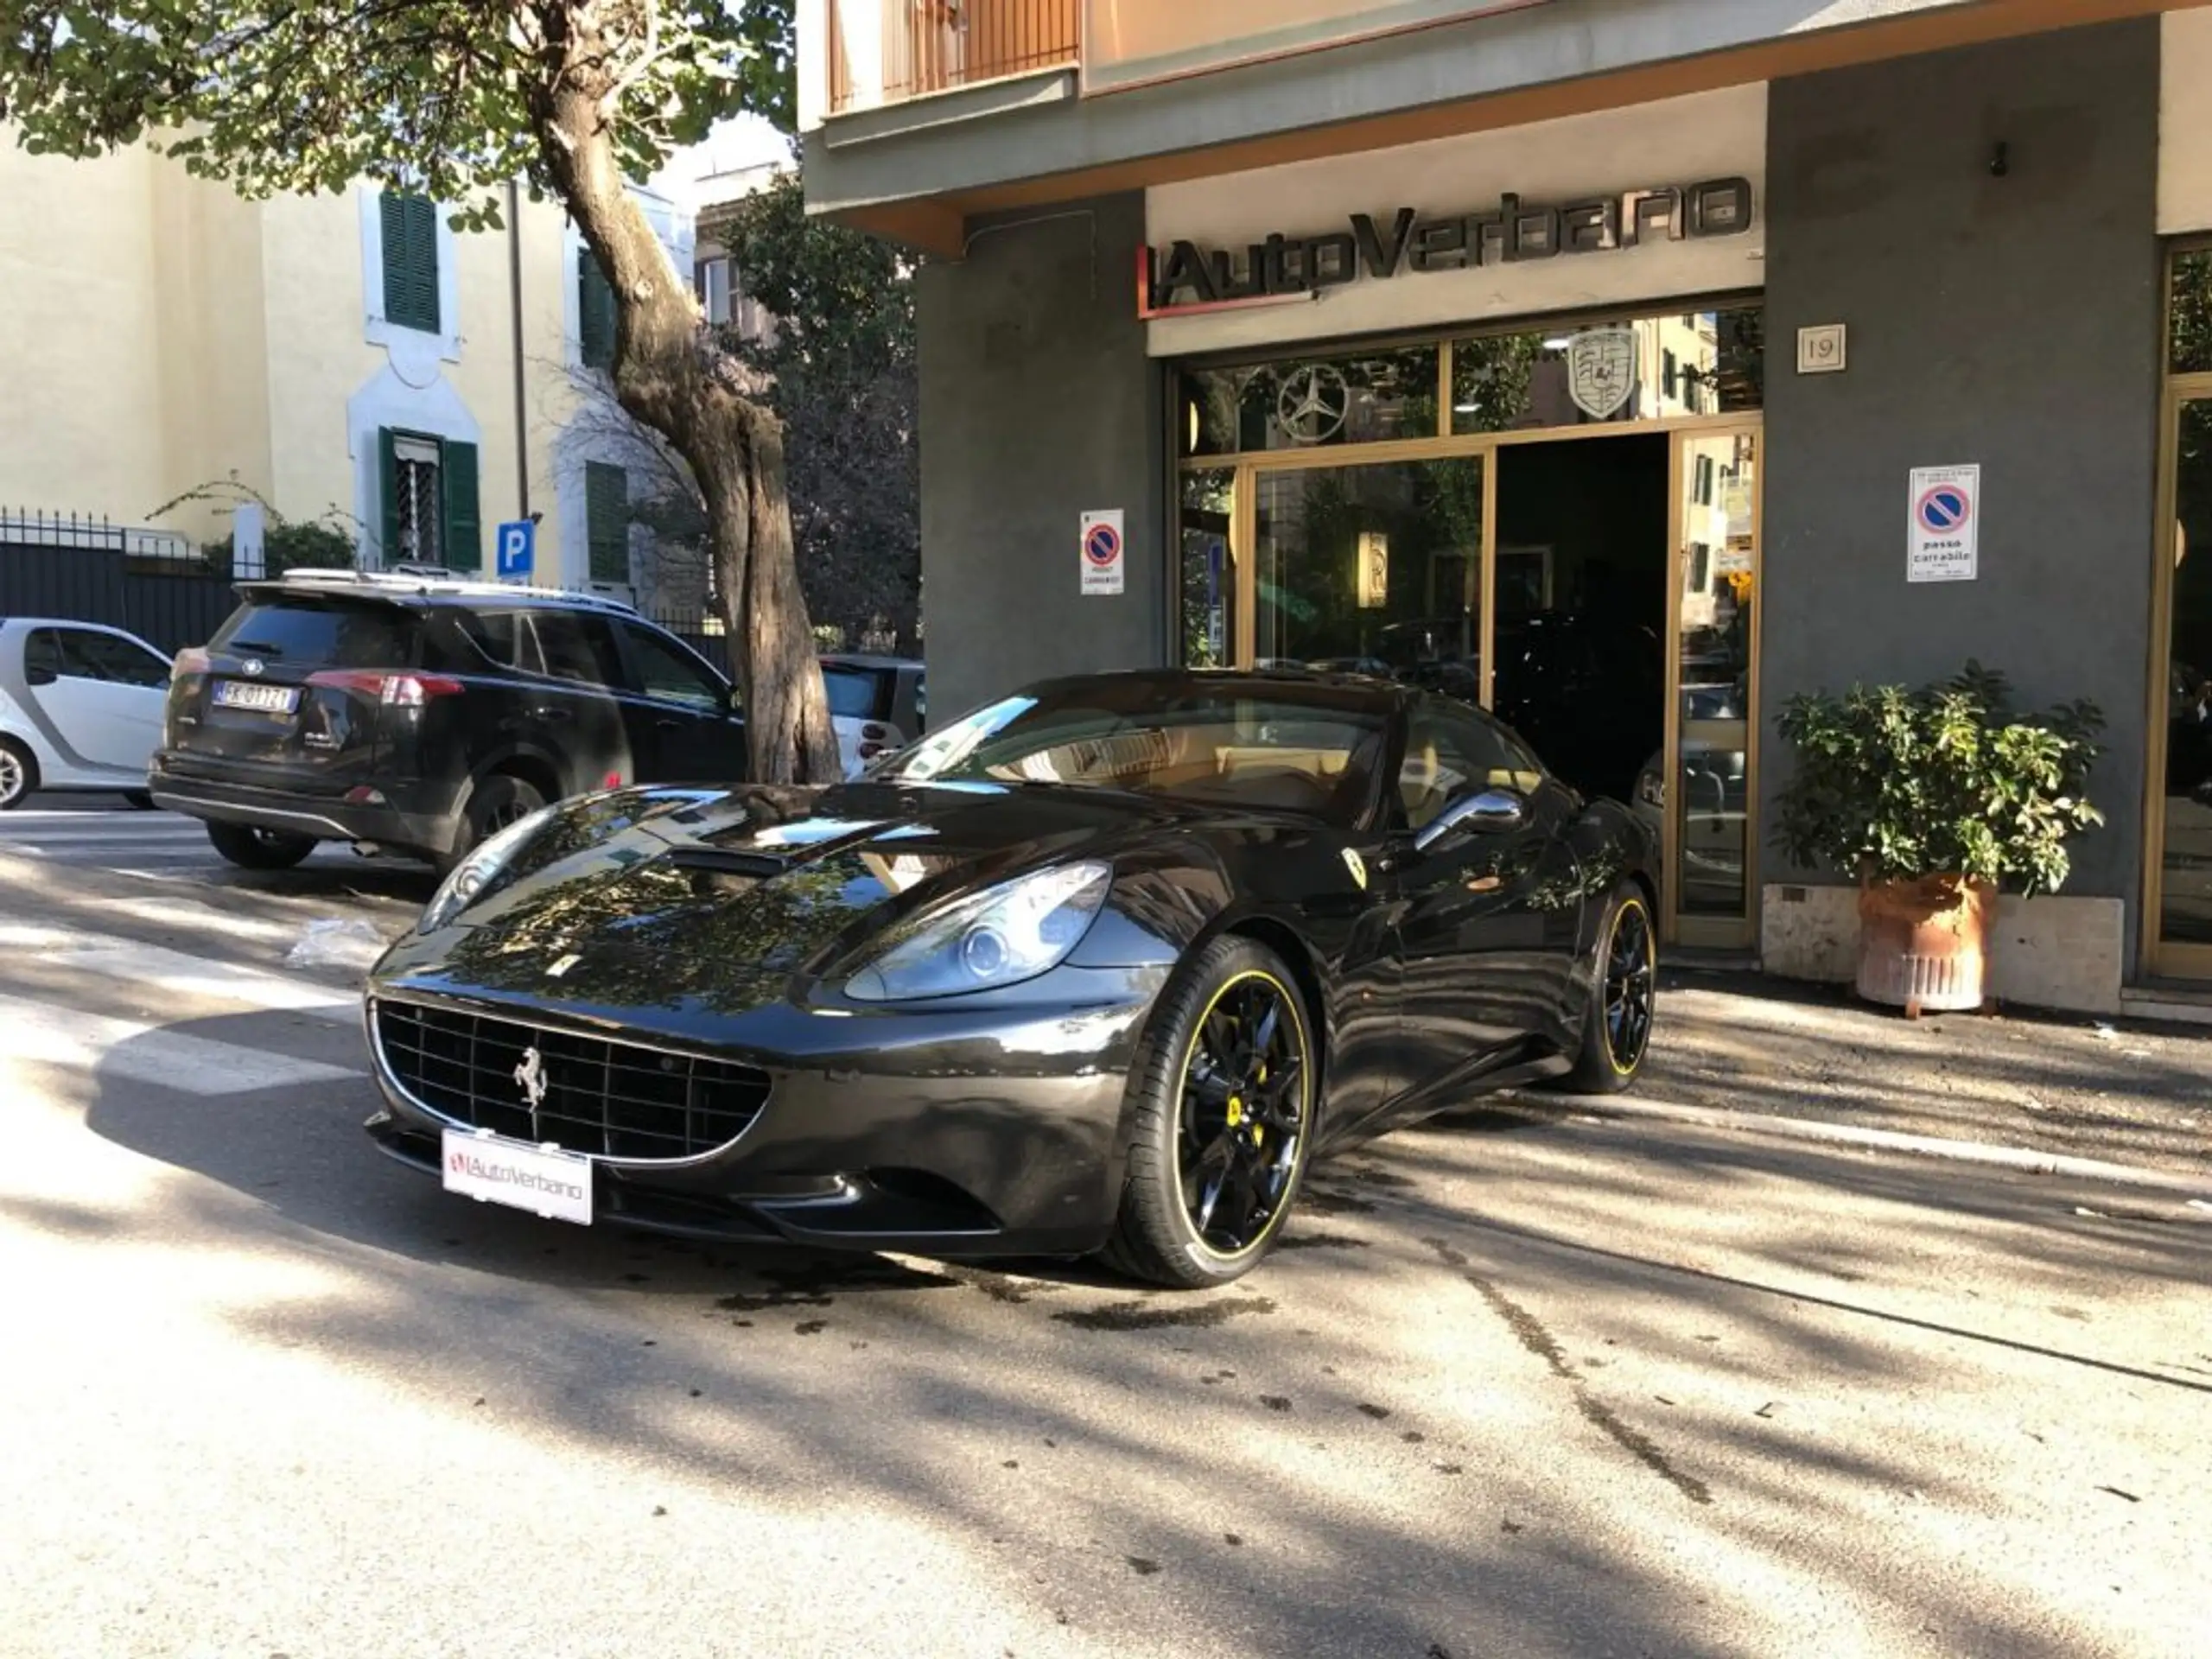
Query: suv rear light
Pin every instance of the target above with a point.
(394, 690)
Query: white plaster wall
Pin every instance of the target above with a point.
(1676, 141)
(2185, 122)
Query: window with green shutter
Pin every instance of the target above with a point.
(429, 494)
(595, 311)
(411, 262)
(464, 537)
(607, 521)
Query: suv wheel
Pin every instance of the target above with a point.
(494, 804)
(253, 848)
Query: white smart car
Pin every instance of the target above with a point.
(80, 708)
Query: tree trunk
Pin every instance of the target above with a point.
(669, 375)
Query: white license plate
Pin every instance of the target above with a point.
(541, 1179)
(263, 699)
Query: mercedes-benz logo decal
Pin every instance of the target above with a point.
(1313, 404)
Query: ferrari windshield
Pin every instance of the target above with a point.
(1287, 748)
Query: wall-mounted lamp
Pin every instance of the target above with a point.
(2000, 160)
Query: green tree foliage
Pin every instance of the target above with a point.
(839, 367)
(455, 98)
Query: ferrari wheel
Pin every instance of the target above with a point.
(1224, 1099)
(1624, 997)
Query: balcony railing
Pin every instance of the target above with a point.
(886, 51)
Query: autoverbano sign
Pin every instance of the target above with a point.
(1183, 277)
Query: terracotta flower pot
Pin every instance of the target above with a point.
(1921, 942)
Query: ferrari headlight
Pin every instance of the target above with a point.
(479, 870)
(999, 937)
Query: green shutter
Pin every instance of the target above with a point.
(595, 311)
(464, 537)
(387, 496)
(411, 262)
(607, 521)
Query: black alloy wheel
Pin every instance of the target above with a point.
(251, 848)
(1225, 1099)
(1624, 997)
(18, 774)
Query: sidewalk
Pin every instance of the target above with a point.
(2055, 1085)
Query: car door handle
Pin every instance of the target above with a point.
(670, 722)
(555, 716)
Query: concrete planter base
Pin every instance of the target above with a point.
(2055, 951)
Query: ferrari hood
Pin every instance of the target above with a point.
(715, 901)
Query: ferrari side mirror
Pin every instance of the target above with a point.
(1489, 810)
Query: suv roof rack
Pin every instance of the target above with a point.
(428, 579)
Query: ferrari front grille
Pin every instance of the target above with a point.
(585, 1094)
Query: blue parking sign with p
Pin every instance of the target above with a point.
(518, 545)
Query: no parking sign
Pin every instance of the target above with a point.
(1100, 543)
(1944, 530)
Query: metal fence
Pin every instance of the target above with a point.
(927, 45)
(79, 569)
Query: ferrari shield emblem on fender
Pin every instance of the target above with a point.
(1601, 370)
(1358, 866)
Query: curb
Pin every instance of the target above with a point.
(1922, 1146)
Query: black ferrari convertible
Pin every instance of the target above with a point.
(1100, 968)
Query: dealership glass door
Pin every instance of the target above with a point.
(1488, 517)
(2181, 815)
(1707, 798)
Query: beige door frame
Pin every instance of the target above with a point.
(1722, 932)
(2159, 958)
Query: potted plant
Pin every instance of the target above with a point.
(1934, 799)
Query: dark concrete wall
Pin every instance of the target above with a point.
(2010, 320)
(1038, 403)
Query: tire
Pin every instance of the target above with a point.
(18, 774)
(253, 848)
(1624, 992)
(499, 801)
(1172, 1230)
(138, 800)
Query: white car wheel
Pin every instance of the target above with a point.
(18, 774)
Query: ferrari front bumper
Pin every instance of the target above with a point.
(957, 1129)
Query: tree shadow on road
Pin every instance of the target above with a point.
(1527, 1391)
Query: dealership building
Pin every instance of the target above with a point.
(1626, 366)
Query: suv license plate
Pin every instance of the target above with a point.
(541, 1179)
(263, 699)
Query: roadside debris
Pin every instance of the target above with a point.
(332, 943)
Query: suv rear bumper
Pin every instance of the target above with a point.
(400, 825)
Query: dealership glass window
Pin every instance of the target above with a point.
(1312, 403)
(1651, 368)
(1209, 578)
(1373, 569)
(2190, 316)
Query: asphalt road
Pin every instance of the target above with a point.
(1514, 1386)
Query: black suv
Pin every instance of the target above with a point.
(415, 715)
